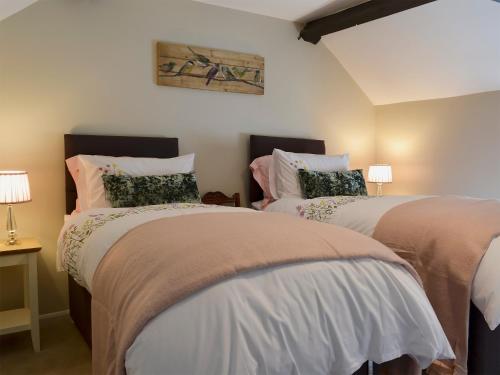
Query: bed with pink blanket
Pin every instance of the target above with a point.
(446, 238)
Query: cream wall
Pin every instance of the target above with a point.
(444, 146)
(88, 67)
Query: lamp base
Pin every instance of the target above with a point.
(12, 239)
(11, 226)
(379, 189)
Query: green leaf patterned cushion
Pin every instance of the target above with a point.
(319, 184)
(127, 191)
(353, 182)
(316, 184)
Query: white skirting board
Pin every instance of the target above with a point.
(54, 314)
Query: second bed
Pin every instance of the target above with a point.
(363, 213)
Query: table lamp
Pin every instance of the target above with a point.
(14, 189)
(380, 174)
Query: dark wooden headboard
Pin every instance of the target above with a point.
(146, 147)
(263, 145)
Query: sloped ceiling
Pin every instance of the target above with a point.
(290, 10)
(9, 7)
(441, 49)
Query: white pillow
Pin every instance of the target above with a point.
(283, 173)
(89, 185)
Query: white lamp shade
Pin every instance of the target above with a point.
(380, 173)
(14, 187)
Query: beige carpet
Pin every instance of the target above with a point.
(63, 351)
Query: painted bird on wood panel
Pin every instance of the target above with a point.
(228, 74)
(200, 59)
(256, 78)
(186, 68)
(167, 68)
(212, 73)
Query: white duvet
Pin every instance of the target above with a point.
(311, 318)
(362, 215)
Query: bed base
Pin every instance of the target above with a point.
(79, 309)
(484, 345)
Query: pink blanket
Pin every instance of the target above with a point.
(159, 263)
(444, 238)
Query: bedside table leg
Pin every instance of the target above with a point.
(33, 301)
(26, 285)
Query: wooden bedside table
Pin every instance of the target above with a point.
(23, 253)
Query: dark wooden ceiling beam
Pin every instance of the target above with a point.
(365, 12)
